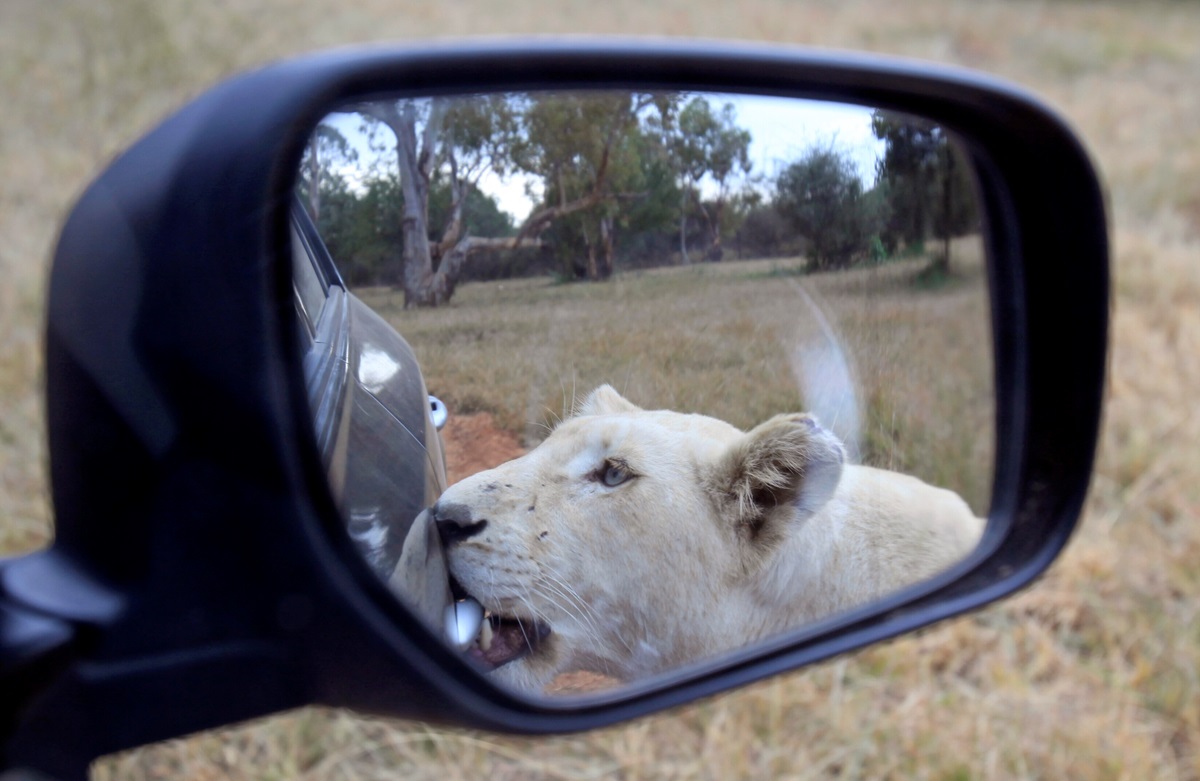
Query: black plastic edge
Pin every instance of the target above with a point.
(1047, 234)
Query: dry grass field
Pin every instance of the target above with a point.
(1092, 673)
(736, 341)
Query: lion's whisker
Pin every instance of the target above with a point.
(532, 613)
(587, 609)
(572, 595)
(583, 610)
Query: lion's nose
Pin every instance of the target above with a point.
(454, 523)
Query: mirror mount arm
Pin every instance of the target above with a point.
(47, 603)
(34, 650)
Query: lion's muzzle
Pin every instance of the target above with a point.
(502, 638)
(455, 524)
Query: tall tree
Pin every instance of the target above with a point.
(327, 150)
(584, 148)
(821, 196)
(461, 140)
(708, 144)
(927, 181)
(908, 171)
(957, 210)
(361, 228)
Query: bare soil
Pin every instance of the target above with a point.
(474, 443)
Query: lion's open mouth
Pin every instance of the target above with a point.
(502, 639)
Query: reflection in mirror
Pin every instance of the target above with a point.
(717, 366)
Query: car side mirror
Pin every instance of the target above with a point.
(248, 467)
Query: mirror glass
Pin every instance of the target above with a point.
(609, 383)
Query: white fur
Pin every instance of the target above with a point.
(721, 538)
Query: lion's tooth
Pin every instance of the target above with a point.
(462, 622)
(485, 636)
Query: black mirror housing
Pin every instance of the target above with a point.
(200, 572)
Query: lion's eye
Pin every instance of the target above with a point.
(615, 474)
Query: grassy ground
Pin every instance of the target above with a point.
(1093, 673)
(738, 341)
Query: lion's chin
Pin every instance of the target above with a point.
(530, 674)
(516, 651)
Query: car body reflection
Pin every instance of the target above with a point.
(370, 407)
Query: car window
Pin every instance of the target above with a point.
(310, 287)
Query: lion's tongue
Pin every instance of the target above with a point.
(509, 641)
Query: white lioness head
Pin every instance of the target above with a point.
(633, 541)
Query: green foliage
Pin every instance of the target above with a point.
(568, 238)
(362, 229)
(326, 155)
(765, 232)
(708, 143)
(479, 133)
(580, 143)
(602, 174)
(362, 226)
(877, 251)
(926, 180)
(821, 197)
(705, 144)
(482, 215)
(957, 210)
(654, 183)
(934, 276)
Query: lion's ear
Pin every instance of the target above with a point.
(788, 463)
(605, 401)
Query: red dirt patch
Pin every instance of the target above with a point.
(474, 443)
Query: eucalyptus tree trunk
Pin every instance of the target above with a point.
(943, 263)
(683, 254)
(314, 178)
(417, 160)
(712, 221)
(604, 268)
